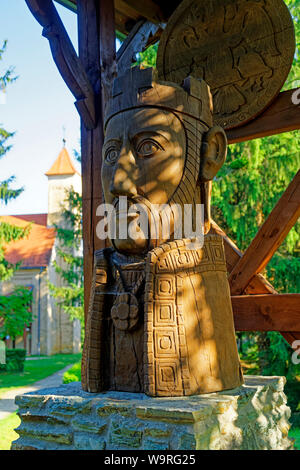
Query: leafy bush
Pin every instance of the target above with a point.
(15, 312)
(73, 374)
(15, 360)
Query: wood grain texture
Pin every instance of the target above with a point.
(243, 50)
(128, 13)
(134, 43)
(283, 115)
(277, 312)
(174, 336)
(257, 285)
(98, 59)
(268, 238)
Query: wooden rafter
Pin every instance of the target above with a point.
(277, 312)
(135, 42)
(258, 285)
(144, 8)
(281, 116)
(268, 238)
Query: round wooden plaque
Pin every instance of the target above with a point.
(242, 48)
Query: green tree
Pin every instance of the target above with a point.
(8, 233)
(70, 295)
(15, 312)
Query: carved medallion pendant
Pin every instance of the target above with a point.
(125, 312)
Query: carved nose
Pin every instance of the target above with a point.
(123, 182)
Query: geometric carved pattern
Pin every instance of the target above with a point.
(164, 314)
(166, 365)
(165, 343)
(164, 286)
(167, 377)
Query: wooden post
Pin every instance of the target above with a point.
(96, 34)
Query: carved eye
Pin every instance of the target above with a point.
(111, 155)
(148, 147)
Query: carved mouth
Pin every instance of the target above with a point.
(130, 212)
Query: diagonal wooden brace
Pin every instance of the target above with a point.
(249, 311)
(268, 238)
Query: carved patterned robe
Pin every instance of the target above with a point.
(162, 325)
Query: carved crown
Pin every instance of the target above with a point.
(139, 88)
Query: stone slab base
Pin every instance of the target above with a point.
(254, 416)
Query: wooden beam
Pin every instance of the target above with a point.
(268, 238)
(107, 45)
(134, 43)
(66, 59)
(71, 5)
(258, 284)
(279, 312)
(146, 9)
(281, 116)
(97, 52)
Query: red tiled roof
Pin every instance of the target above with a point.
(63, 165)
(33, 251)
(40, 219)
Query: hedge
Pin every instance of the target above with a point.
(15, 360)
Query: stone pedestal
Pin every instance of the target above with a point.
(253, 416)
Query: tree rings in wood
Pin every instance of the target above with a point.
(242, 48)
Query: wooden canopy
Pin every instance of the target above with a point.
(129, 12)
(256, 305)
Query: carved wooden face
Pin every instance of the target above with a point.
(143, 159)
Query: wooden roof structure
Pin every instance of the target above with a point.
(256, 304)
(129, 12)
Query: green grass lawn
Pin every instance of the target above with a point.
(35, 370)
(7, 433)
(73, 374)
(295, 434)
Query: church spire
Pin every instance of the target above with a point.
(63, 164)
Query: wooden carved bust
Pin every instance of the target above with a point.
(160, 318)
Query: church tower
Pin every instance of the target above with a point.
(61, 176)
(64, 333)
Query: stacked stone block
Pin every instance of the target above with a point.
(254, 416)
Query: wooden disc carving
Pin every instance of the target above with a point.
(242, 48)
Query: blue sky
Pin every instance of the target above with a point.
(38, 106)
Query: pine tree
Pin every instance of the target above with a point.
(15, 312)
(8, 233)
